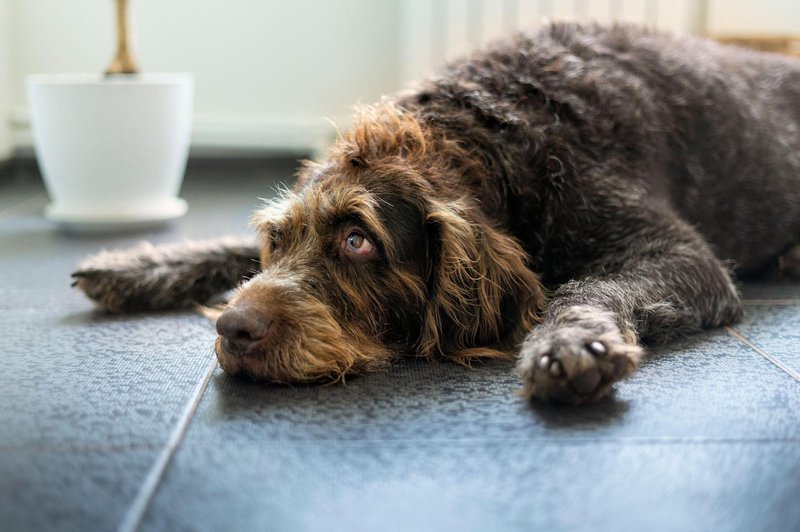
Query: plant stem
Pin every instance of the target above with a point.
(123, 62)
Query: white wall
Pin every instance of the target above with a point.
(754, 17)
(267, 72)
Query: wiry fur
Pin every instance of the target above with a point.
(170, 276)
(330, 349)
(630, 170)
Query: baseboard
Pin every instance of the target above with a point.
(221, 134)
(6, 170)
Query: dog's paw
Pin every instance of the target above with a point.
(133, 279)
(576, 361)
(109, 288)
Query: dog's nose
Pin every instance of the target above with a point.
(241, 328)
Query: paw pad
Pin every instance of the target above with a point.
(565, 366)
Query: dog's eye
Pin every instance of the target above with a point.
(358, 244)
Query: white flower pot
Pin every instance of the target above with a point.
(112, 150)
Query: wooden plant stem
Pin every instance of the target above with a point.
(123, 62)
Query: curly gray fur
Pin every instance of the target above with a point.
(170, 276)
(636, 169)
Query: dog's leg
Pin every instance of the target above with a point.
(168, 276)
(668, 283)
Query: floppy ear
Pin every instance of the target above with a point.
(482, 297)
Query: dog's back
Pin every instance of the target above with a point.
(711, 131)
(732, 123)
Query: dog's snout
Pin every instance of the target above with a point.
(241, 328)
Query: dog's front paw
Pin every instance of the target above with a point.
(109, 284)
(576, 360)
(141, 278)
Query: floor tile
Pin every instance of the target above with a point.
(692, 442)
(64, 490)
(92, 380)
(707, 387)
(706, 436)
(480, 486)
(90, 400)
(776, 330)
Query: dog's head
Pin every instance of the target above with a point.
(379, 250)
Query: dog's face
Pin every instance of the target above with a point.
(369, 258)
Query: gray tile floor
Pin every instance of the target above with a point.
(126, 422)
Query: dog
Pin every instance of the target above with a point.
(560, 198)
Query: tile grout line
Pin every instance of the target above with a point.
(133, 517)
(786, 369)
(626, 440)
(756, 302)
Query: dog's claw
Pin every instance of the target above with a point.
(578, 360)
(598, 348)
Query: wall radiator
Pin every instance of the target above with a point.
(435, 31)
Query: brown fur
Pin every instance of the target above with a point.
(464, 286)
(629, 172)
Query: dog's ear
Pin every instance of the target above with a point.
(482, 296)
